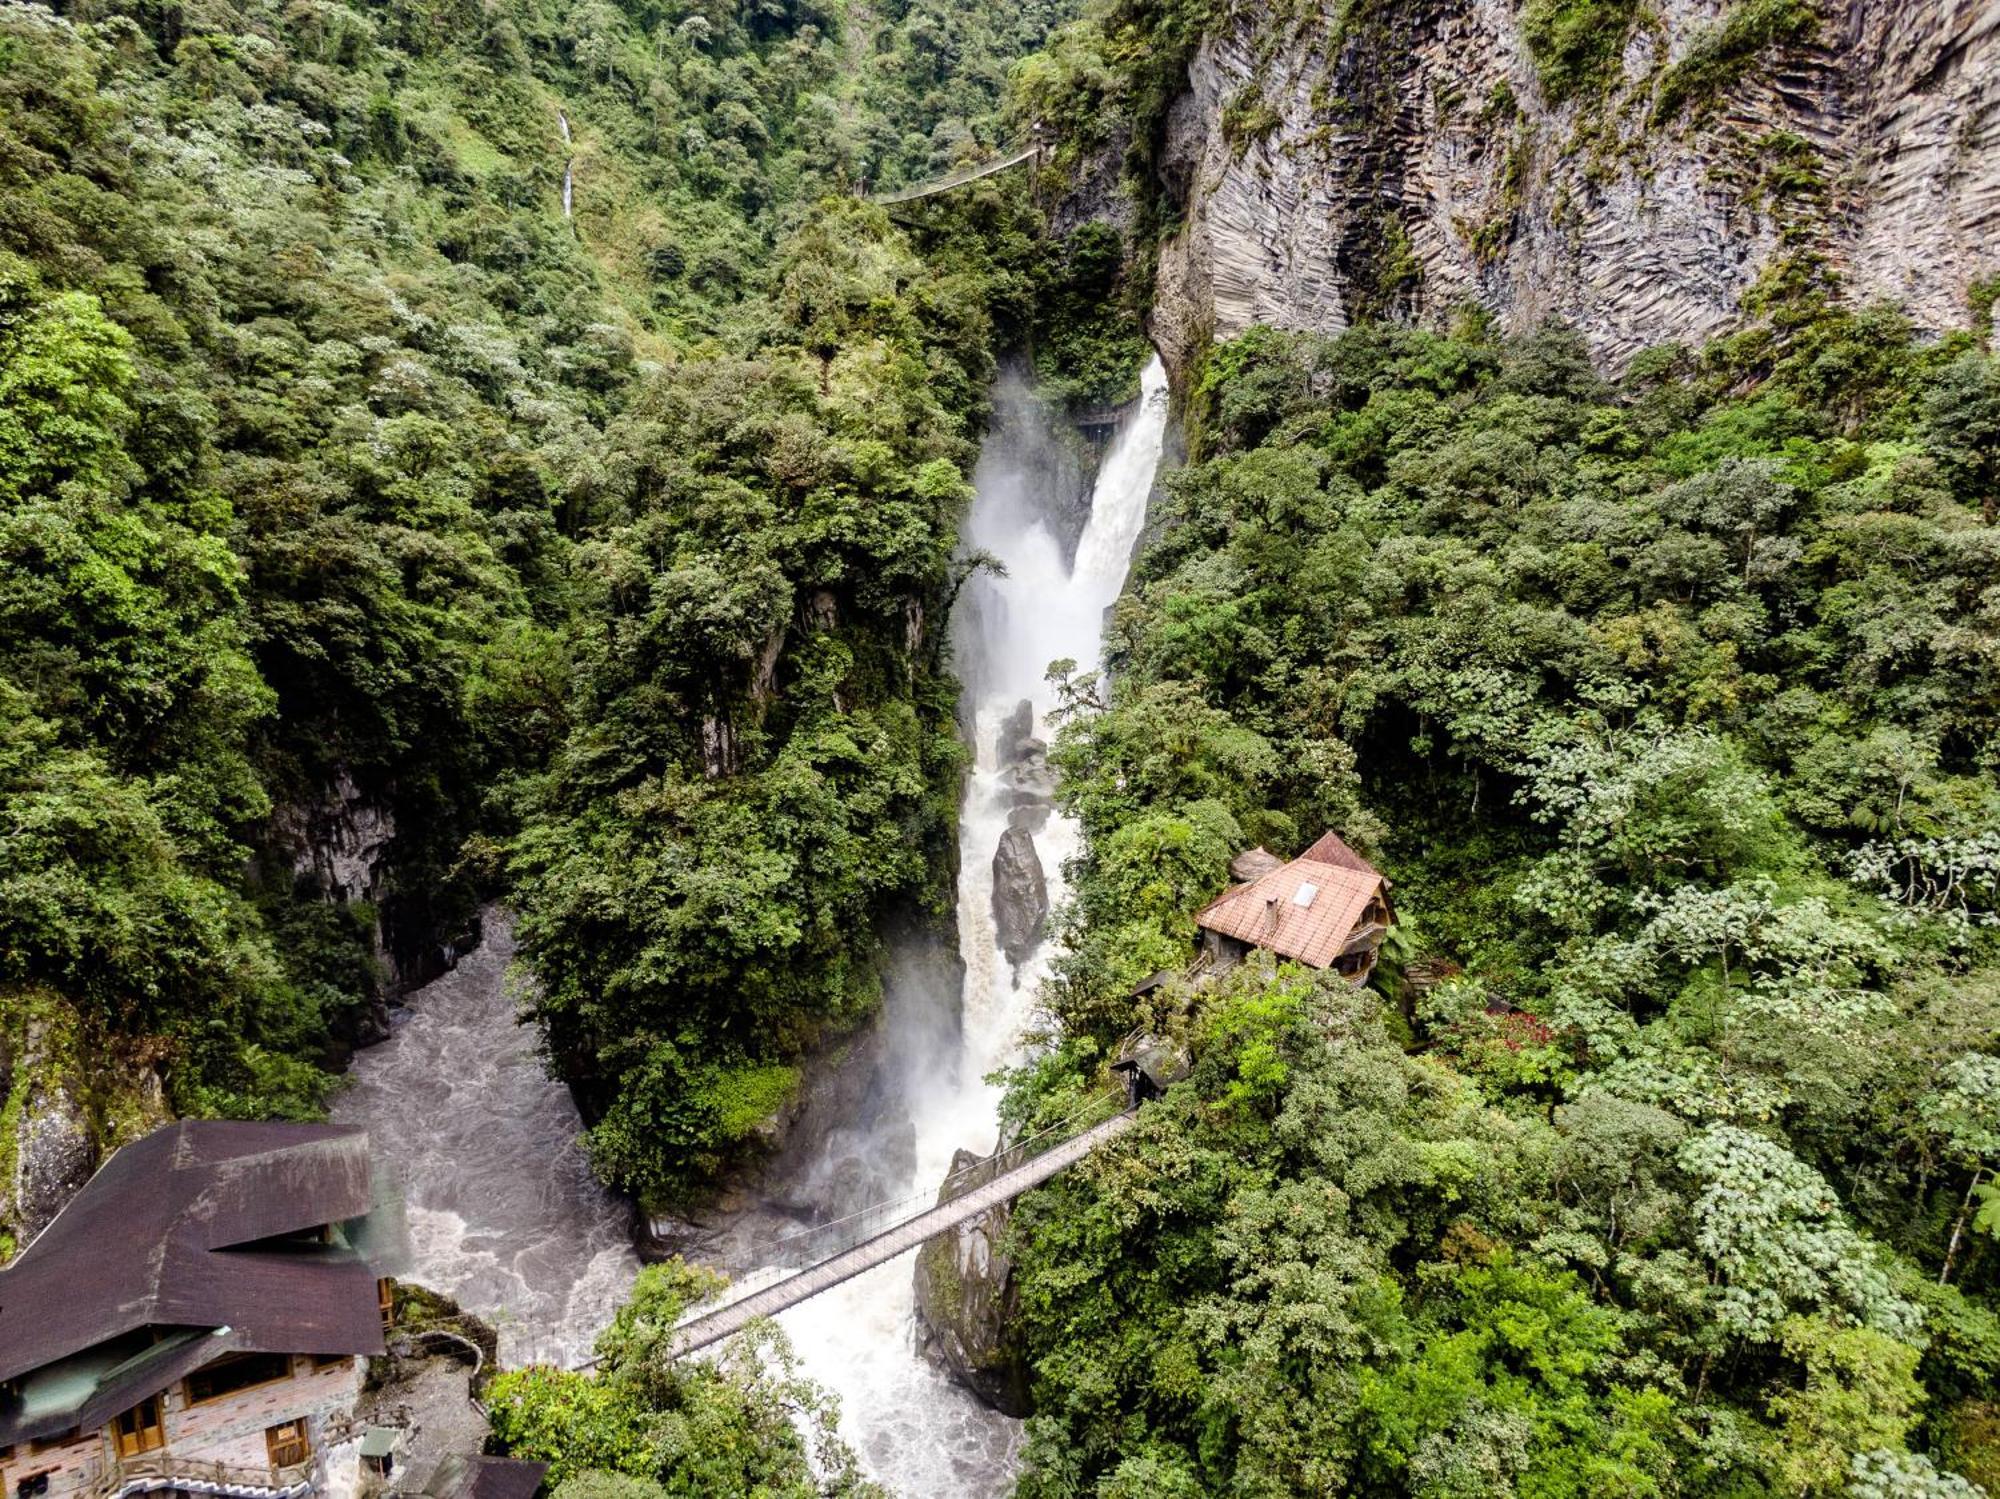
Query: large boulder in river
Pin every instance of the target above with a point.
(1020, 895)
(966, 1299)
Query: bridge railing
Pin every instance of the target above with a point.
(959, 178)
(785, 1255)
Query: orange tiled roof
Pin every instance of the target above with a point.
(1333, 849)
(1267, 912)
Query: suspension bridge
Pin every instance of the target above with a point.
(961, 177)
(801, 1265)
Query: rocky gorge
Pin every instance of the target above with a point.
(1407, 158)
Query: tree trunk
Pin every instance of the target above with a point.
(1958, 1226)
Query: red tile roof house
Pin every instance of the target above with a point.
(194, 1321)
(1328, 908)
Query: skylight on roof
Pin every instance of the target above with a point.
(1305, 895)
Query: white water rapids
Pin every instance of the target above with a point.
(501, 1210)
(915, 1429)
(482, 1163)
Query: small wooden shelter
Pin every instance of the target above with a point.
(1328, 908)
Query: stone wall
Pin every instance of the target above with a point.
(1412, 164)
(229, 1430)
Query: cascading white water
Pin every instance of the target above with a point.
(482, 1164)
(481, 1148)
(916, 1431)
(569, 163)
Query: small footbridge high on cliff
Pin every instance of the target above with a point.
(1027, 151)
(818, 1258)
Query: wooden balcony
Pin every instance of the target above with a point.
(1365, 938)
(156, 1471)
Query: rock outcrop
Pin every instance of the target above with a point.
(846, 1138)
(63, 1105)
(966, 1299)
(1020, 886)
(342, 846)
(1401, 158)
(1020, 895)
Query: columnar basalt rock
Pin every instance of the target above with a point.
(1412, 164)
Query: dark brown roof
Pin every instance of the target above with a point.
(461, 1477)
(172, 1233)
(1305, 909)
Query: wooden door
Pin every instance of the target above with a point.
(288, 1443)
(140, 1429)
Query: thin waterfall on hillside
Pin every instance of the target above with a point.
(569, 164)
(915, 1429)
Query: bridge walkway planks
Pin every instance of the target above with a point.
(720, 1323)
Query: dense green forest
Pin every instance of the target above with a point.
(1661, 1159)
(604, 549)
(602, 558)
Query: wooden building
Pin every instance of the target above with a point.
(1328, 908)
(194, 1321)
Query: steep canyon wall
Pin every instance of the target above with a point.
(1402, 156)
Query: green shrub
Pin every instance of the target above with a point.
(1723, 55)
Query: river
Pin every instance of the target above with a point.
(500, 1206)
(485, 1182)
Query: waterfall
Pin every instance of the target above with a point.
(916, 1430)
(569, 164)
(486, 1188)
(497, 1202)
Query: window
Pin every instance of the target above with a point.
(330, 1361)
(288, 1443)
(139, 1430)
(237, 1372)
(32, 1485)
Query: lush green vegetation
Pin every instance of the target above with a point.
(1577, 44)
(744, 1425)
(602, 559)
(1664, 1161)
(1725, 53)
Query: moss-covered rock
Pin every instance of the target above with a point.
(966, 1299)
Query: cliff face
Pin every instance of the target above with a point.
(1407, 161)
(65, 1100)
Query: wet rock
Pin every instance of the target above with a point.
(1030, 817)
(1017, 733)
(53, 1158)
(966, 1300)
(1029, 781)
(1020, 895)
(341, 844)
(45, 1077)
